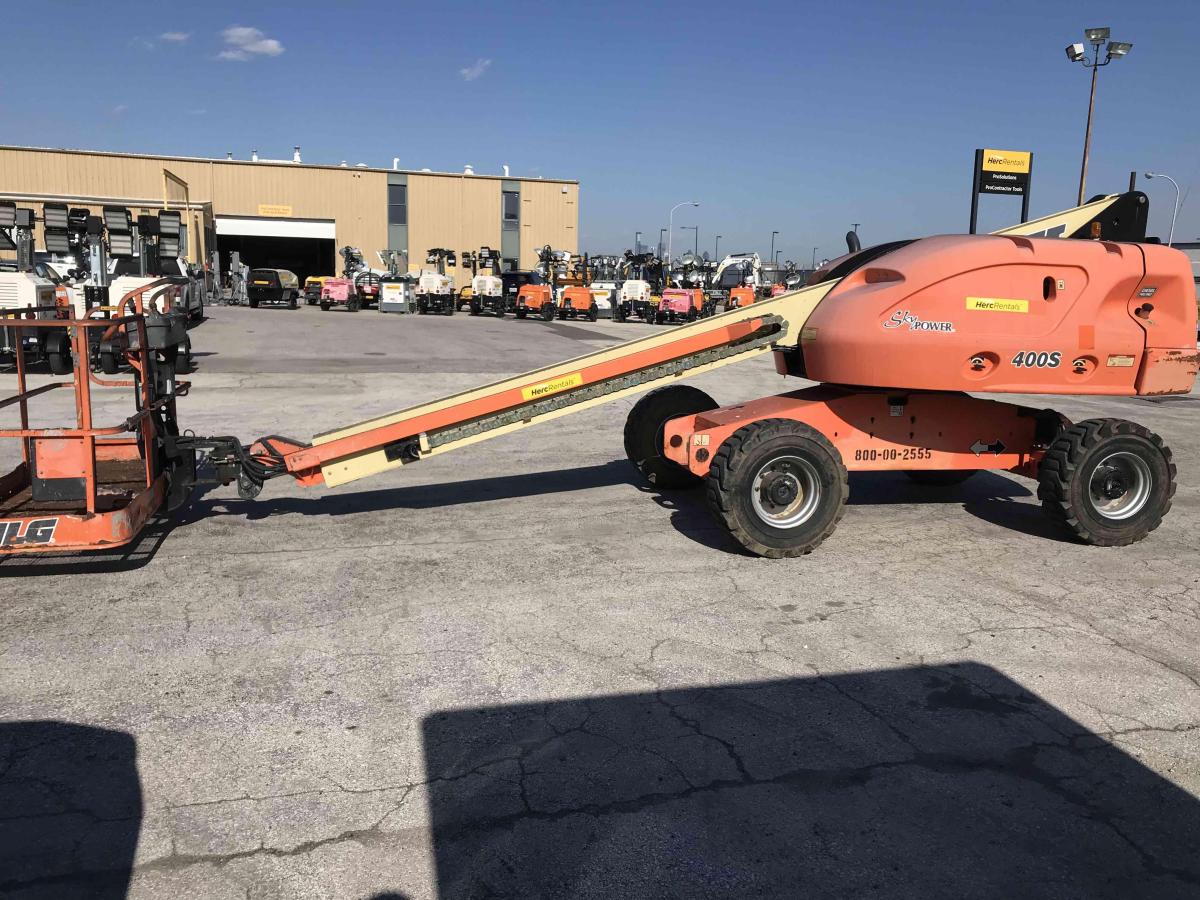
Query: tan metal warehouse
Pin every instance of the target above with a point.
(283, 210)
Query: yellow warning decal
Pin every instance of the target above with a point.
(546, 388)
(996, 304)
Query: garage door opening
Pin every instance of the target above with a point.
(304, 256)
(303, 246)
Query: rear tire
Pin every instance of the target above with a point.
(940, 477)
(779, 486)
(521, 313)
(292, 304)
(325, 305)
(644, 433)
(253, 304)
(618, 313)
(474, 309)
(593, 313)
(548, 312)
(1107, 481)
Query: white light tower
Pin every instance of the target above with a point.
(671, 233)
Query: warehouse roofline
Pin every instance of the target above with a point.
(286, 164)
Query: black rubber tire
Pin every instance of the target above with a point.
(184, 364)
(60, 363)
(354, 304)
(197, 315)
(521, 313)
(109, 363)
(692, 314)
(450, 308)
(292, 304)
(940, 477)
(499, 311)
(548, 312)
(737, 461)
(593, 313)
(619, 313)
(325, 305)
(1065, 474)
(644, 432)
(474, 309)
(253, 304)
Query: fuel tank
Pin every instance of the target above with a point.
(1008, 314)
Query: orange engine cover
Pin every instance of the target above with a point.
(534, 296)
(1010, 315)
(577, 298)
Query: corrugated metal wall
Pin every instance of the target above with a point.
(454, 211)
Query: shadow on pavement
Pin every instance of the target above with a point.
(70, 811)
(134, 555)
(915, 782)
(423, 496)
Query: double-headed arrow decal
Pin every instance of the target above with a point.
(996, 447)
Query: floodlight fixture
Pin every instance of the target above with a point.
(147, 225)
(57, 241)
(1117, 49)
(168, 222)
(1075, 52)
(77, 220)
(6, 243)
(54, 215)
(117, 220)
(25, 218)
(8, 213)
(120, 244)
(1096, 35)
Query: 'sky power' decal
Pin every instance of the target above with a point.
(37, 531)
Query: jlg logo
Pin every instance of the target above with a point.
(38, 531)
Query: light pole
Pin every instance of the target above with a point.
(716, 245)
(1076, 53)
(671, 230)
(696, 235)
(773, 233)
(637, 242)
(661, 240)
(777, 252)
(814, 259)
(855, 226)
(1175, 211)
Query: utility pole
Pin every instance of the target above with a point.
(717, 245)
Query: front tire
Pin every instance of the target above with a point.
(593, 313)
(292, 304)
(521, 313)
(644, 433)
(548, 312)
(1107, 481)
(779, 486)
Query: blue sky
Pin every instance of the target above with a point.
(796, 117)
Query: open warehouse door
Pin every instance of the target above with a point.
(303, 246)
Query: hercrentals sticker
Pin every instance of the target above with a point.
(546, 388)
(996, 304)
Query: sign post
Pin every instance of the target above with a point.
(1001, 172)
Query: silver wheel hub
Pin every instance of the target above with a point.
(785, 492)
(1120, 485)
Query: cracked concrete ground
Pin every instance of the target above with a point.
(513, 671)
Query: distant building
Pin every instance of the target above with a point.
(293, 215)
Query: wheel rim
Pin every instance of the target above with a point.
(1120, 485)
(786, 491)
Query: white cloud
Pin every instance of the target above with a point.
(119, 108)
(470, 73)
(175, 37)
(243, 43)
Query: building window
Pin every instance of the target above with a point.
(397, 204)
(511, 207)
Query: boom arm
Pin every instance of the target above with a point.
(399, 438)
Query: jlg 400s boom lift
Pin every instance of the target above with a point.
(896, 334)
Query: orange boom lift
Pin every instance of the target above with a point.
(896, 334)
